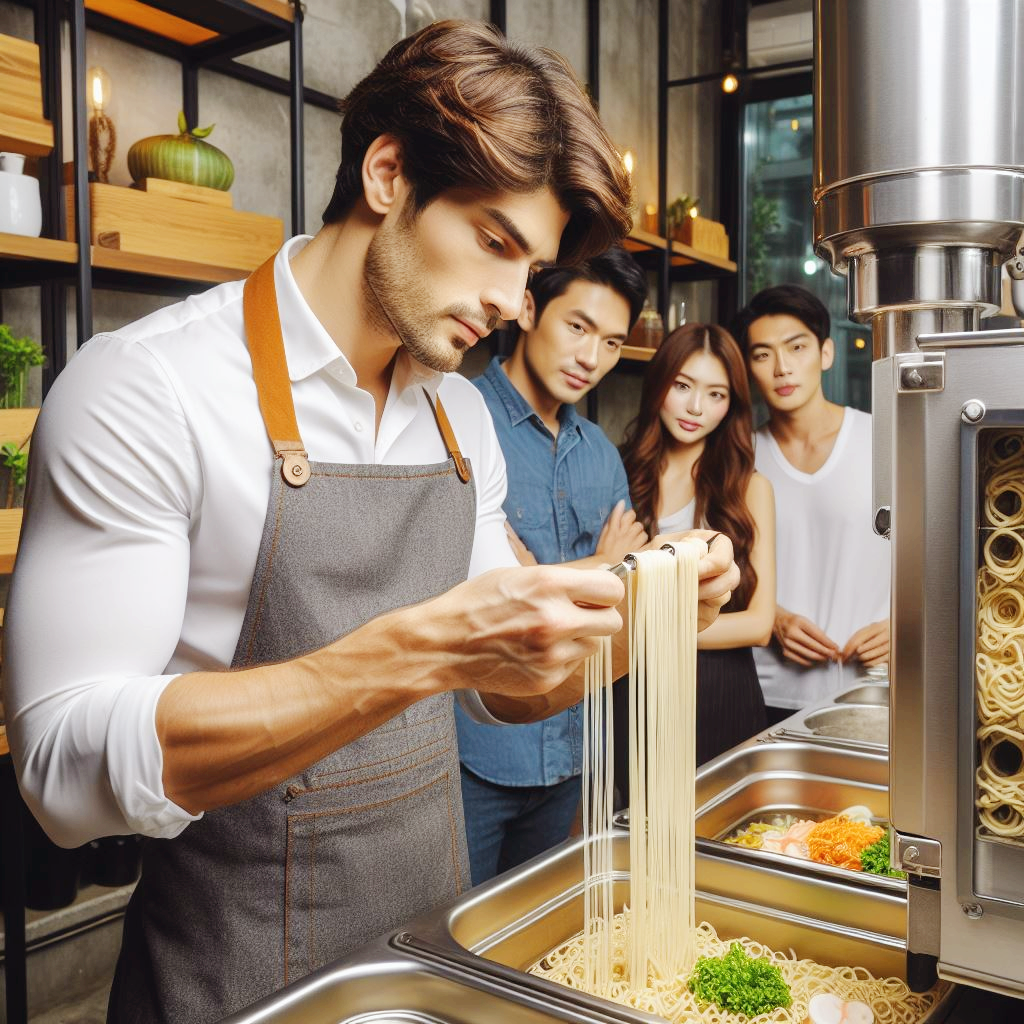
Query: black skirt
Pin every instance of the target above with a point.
(730, 709)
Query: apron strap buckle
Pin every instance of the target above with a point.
(295, 463)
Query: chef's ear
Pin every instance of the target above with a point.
(384, 185)
(527, 315)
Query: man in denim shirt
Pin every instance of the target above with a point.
(567, 501)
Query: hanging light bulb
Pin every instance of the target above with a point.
(730, 83)
(98, 88)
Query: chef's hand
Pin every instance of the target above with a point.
(620, 535)
(718, 573)
(801, 640)
(869, 645)
(521, 632)
(523, 554)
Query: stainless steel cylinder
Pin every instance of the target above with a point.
(919, 151)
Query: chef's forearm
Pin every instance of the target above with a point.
(227, 736)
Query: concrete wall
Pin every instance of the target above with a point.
(343, 40)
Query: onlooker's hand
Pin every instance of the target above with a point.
(718, 573)
(521, 632)
(869, 645)
(622, 533)
(524, 555)
(802, 641)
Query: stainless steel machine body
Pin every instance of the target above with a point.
(919, 199)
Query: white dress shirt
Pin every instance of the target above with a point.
(150, 478)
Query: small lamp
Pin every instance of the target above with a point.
(102, 134)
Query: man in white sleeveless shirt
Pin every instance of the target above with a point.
(833, 573)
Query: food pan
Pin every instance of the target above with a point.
(504, 926)
(834, 723)
(756, 782)
(384, 986)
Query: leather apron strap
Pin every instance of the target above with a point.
(273, 386)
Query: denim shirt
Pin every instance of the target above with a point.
(560, 493)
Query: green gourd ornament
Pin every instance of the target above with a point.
(184, 157)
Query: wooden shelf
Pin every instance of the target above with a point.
(25, 135)
(193, 22)
(163, 266)
(637, 354)
(10, 531)
(682, 255)
(22, 247)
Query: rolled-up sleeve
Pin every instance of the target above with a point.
(98, 596)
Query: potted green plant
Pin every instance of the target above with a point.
(17, 355)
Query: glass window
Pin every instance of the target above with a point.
(776, 230)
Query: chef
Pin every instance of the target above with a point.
(264, 544)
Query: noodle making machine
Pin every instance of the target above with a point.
(919, 201)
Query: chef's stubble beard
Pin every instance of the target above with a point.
(388, 271)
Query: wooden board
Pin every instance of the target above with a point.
(21, 90)
(10, 531)
(705, 235)
(179, 190)
(17, 425)
(25, 247)
(149, 224)
(22, 135)
(163, 266)
(151, 20)
(638, 353)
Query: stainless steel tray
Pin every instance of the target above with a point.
(755, 781)
(869, 693)
(501, 928)
(380, 985)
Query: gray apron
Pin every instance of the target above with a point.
(256, 895)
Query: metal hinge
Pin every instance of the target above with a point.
(920, 372)
(916, 856)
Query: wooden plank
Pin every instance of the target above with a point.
(4, 748)
(164, 266)
(17, 425)
(684, 254)
(151, 20)
(21, 89)
(276, 7)
(179, 190)
(638, 354)
(25, 248)
(149, 224)
(10, 531)
(22, 135)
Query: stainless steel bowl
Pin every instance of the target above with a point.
(870, 693)
(855, 722)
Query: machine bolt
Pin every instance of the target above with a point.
(883, 521)
(972, 910)
(915, 378)
(911, 853)
(973, 410)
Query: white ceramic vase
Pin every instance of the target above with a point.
(21, 213)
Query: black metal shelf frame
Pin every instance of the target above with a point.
(242, 28)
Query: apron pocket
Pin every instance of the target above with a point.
(365, 858)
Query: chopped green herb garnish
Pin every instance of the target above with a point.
(739, 983)
(875, 858)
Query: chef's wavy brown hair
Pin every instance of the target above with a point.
(472, 110)
(724, 469)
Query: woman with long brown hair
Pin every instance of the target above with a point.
(689, 457)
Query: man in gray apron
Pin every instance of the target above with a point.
(250, 519)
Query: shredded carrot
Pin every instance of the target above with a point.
(839, 841)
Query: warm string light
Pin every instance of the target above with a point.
(730, 83)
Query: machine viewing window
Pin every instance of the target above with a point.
(999, 654)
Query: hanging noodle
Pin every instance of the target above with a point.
(643, 955)
(999, 660)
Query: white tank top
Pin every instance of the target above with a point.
(680, 520)
(831, 566)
